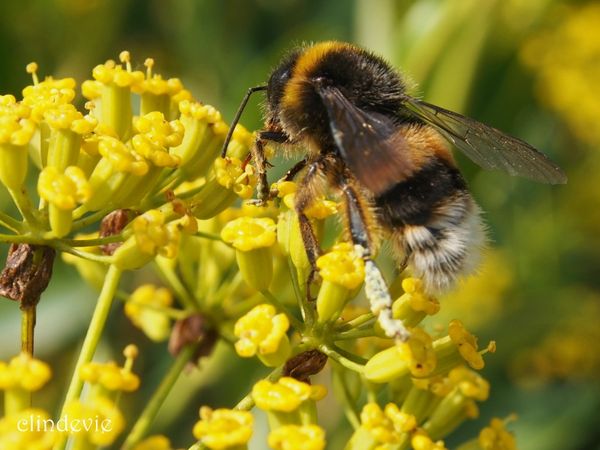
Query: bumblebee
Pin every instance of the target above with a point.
(386, 155)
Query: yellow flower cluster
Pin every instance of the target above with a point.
(262, 332)
(286, 395)
(24, 372)
(145, 308)
(223, 428)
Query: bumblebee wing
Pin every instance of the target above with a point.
(368, 142)
(487, 146)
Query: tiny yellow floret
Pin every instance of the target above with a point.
(260, 331)
(145, 309)
(250, 233)
(24, 371)
(341, 265)
(466, 343)
(287, 394)
(297, 437)
(223, 428)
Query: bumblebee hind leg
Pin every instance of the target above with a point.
(358, 215)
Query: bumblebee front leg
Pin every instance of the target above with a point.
(261, 163)
(356, 208)
(309, 186)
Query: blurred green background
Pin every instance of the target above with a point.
(529, 67)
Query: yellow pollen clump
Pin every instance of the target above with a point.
(287, 394)
(99, 409)
(342, 266)
(250, 233)
(110, 376)
(260, 330)
(47, 95)
(150, 231)
(223, 428)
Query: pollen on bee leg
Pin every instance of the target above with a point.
(380, 299)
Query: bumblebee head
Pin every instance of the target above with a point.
(277, 83)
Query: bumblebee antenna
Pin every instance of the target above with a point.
(238, 114)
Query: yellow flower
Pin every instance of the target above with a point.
(342, 266)
(24, 372)
(415, 304)
(297, 437)
(496, 436)
(232, 174)
(16, 130)
(249, 233)
(261, 331)
(155, 136)
(30, 429)
(157, 442)
(144, 309)
(106, 421)
(415, 356)
(420, 441)
(63, 190)
(15, 126)
(121, 157)
(286, 395)
(470, 383)
(113, 377)
(111, 73)
(387, 426)
(47, 94)
(223, 428)
(153, 236)
(343, 271)
(466, 343)
(65, 116)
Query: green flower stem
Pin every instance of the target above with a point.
(86, 255)
(93, 242)
(277, 304)
(168, 274)
(354, 334)
(356, 322)
(10, 223)
(342, 357)
(21, 200)
(144, 421)
(103, 305)
(247, 403)
(212, 237)
(27, 329)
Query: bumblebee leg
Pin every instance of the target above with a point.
(356, 210)
(305, 194)
(258, 155)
